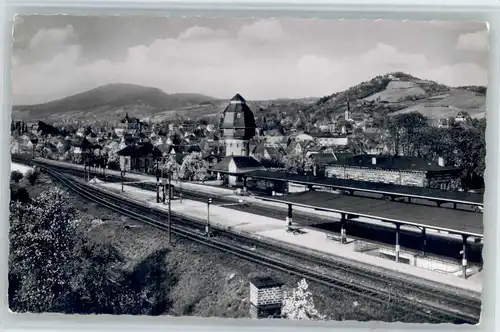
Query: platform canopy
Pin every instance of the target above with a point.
(443, 219)
(371, 187)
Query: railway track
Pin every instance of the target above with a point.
(442, 308)
(376, 234)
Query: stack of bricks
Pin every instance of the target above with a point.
(266, 297)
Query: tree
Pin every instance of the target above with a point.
(42, 241)
(32, 176)
(99, 281)
(170, 166)
(469, 151)
(193, 168)
(299, 304)
(406, 132)
(298, 164)
(360, 143)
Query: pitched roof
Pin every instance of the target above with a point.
(246, 162)
(394, 163)
(325, 135)
(274, 151)
(222, 165)
(373, 131)
(257, 148)
(83, 143)
(240, 161)
(140, 150)
(238, 120)
(324, 158)
(165, 148)
(340, 156)
(238, 97)
(193, 148)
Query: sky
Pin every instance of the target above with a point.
(56, 56)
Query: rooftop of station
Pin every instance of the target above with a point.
(371, 187)
(444, 219)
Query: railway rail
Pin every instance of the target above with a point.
(444, 307)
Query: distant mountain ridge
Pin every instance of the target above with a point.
(114, 98)
(384, 95)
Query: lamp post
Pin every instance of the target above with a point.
(210, 202)
(163, 191)
(207, 227)
(169, 207)
(180, 193)
(121, 178)
(106, 158)
(34, 142)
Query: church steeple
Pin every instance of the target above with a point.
(347, 111)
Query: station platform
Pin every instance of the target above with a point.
(274, 230)
(229, 193)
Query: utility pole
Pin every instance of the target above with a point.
(180, 193)
(157, 183)
(207, 228)
(121, 178)
(85, 163)
(169, 208)
(163, 191)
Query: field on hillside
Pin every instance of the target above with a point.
(450, 104)
(396, 91)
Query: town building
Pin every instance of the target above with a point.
(82, 146)
(299, 147)
(329, 139)
(238, 128)
(131, 125)
(324, 139)
(399, 170)
(276, 140)
(261, 151)
(139, 157)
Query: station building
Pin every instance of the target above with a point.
(398, 170)
(238, 128)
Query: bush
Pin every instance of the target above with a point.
(32, 176)
(19, 194)
(16, 176)
(42, 238)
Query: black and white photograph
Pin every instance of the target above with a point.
(248, 168)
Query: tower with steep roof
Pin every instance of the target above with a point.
(238, 127)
